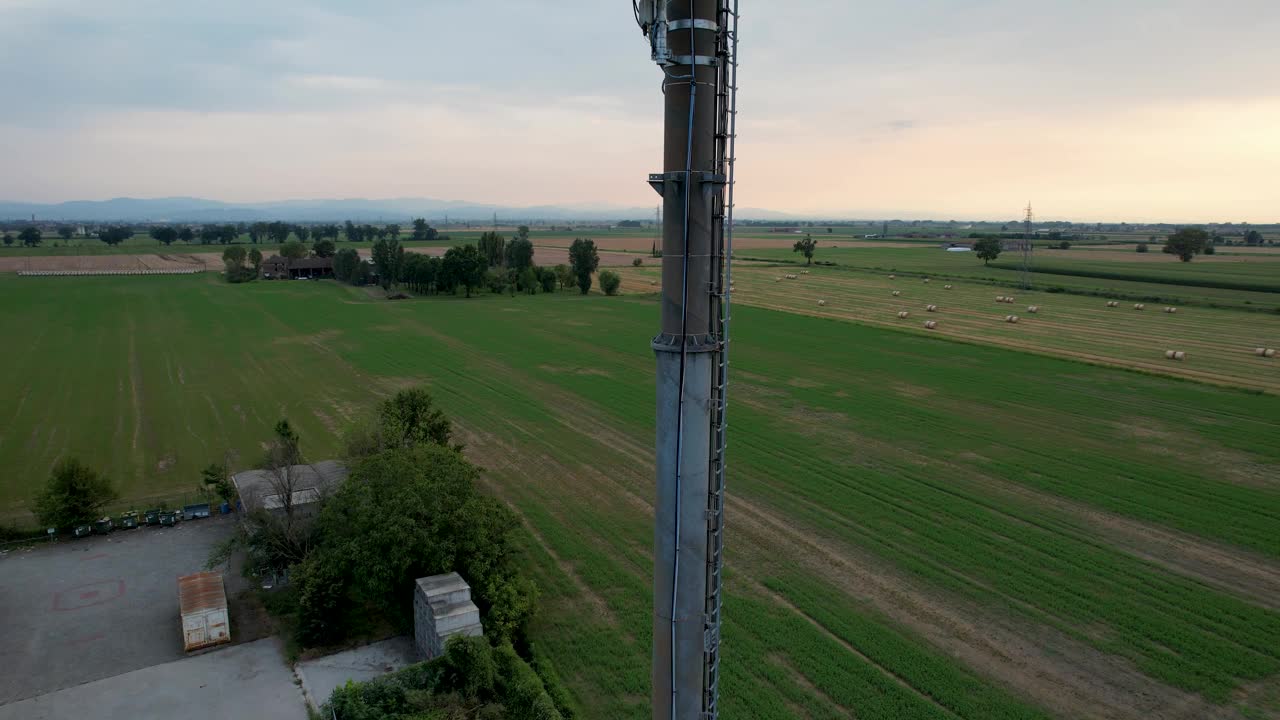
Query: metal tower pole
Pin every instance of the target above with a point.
(694, 42)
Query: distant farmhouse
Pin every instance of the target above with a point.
(282, 268)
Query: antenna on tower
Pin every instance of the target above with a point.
(1027, 247)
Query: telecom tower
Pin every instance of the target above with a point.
(695, 43)
(1027, 247)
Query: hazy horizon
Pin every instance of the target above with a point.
(1137, 112)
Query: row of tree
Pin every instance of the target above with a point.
(493, 262)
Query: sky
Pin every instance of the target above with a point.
(1115, 110)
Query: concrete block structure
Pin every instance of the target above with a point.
(442, 608)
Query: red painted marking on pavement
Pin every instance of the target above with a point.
(88, 595)
(87, 639)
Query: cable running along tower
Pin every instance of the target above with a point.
(1028, 245)
(695, 43)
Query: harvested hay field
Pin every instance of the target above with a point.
(1220, 343)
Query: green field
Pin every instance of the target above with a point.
(1254, 284)
(919, 528)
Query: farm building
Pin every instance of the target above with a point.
(261, 489)
(282, 268)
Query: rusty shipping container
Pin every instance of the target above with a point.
(203, 603)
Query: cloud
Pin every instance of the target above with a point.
(950, 106)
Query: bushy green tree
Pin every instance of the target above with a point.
(492, 248)
(293, 250)
(1142, 247)
(344, 264)
(547, 279)
(323, 248)
(519, 255)
(610, 282)
(30, 236)
(401, 515)
(987, 249)
(805, 246)
(565, 275)
(463, 265)
(584, 259)
(1186, 243)
(74, 495)
(388, 258)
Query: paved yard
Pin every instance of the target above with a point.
(241, 681)
(320, 677)
(83, 610)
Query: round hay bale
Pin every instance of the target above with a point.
(1260, 352)
(653, 282)
(896, 293)
(1112, 303)
(926, 281)
(1179, 356)
(1171, 310)
(1168, 354)
(1009, 299)
(777, 279)
(1270, 353)
(1011, 319)
(931, 308)
(1139, 306)
(1033, 309)
(999, 298)
(931, 325)
(946, 287)
(904, 315)
(893, 277)
(822, 303)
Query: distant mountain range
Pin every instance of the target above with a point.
(199, 210)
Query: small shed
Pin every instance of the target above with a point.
(442, 608)
(202, 601)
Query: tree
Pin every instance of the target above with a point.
(115, 235)
(1186, 243)
(565, 275)
(164, 234)
(393, 232)
(388, 256)
(353, 231)
(463, 265)
(30, 236)
(228, 233)
(987, 249)
(522, 232)
(806, 248)
(420, 228)
(404, 514)
(216, 479)
(519, 255)
(234, 256)
(293, 250)
(410, 418)
(1253, 237)
(8, 238)
(609, 282)
(278, 232)
(323, 248)
(547, 279)
(491, 246)
(257, 232)
(186, 235)
(303, 233)
(584, 259)
(74, 495)
(1142, 247)
(1064, 245)
(344, 264)
(255, 259)
(66, 231)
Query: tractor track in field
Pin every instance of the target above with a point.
(1037, 663)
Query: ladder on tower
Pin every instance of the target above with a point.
(726, 135)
